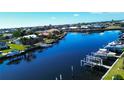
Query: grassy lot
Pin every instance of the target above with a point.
(113, 27)
(15, 47)
(0, 55)
(4, 40)
(116, 70)
(48, 41)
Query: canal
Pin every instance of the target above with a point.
(48, 64)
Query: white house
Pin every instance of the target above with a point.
(63, 28)
(84, 26)
(17, 41)
(122, 21)
(8, 35)
(30, 36)
(73, 27)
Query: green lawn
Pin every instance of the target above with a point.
(113, 27)
(48, 41)
(4, 40)
(116, 70)
(14, 47)
(0, 55)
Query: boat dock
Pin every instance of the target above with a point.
(111, 50)
(93, 61)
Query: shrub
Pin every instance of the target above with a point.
(117, 77)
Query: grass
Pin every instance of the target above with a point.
(48, 41)
(116, 70)
(14, 47)
(0, 55)
(113, 27)
(53, 39)
(4, 40)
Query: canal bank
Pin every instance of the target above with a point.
(115, 70)
(32, 48)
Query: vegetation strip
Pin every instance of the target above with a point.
(29, 43)
(103, 78)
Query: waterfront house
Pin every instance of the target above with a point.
(3, 45)
(30, 36)
(30, 39)
(8, 36)
(1, 52)
(73, 27)
(122, 21)
(54, 31)
(63, 28)
(45, 34)
(16, 41)
(84, 27)
(48, 33)
(96, 26)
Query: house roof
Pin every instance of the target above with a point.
(2, 43)
(30, 36)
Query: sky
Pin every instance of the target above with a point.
(24, 19)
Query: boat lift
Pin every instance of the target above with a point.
(93, 61)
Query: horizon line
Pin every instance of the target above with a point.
(59, 24)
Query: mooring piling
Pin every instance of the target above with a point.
(56, 78)
(60, 76)
(72, 68)
(81, 63)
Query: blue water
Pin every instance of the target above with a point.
(49, 63)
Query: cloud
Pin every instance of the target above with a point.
(76, 15)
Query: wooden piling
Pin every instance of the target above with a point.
(60, 76)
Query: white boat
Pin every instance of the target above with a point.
(104, 53)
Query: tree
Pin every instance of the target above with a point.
(113, 20)
(30, 32)
(122, 24)
(1, 36)
(17, 33)
(23, 32)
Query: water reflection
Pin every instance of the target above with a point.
(28, 57)
(1, 61)
(14, 62)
